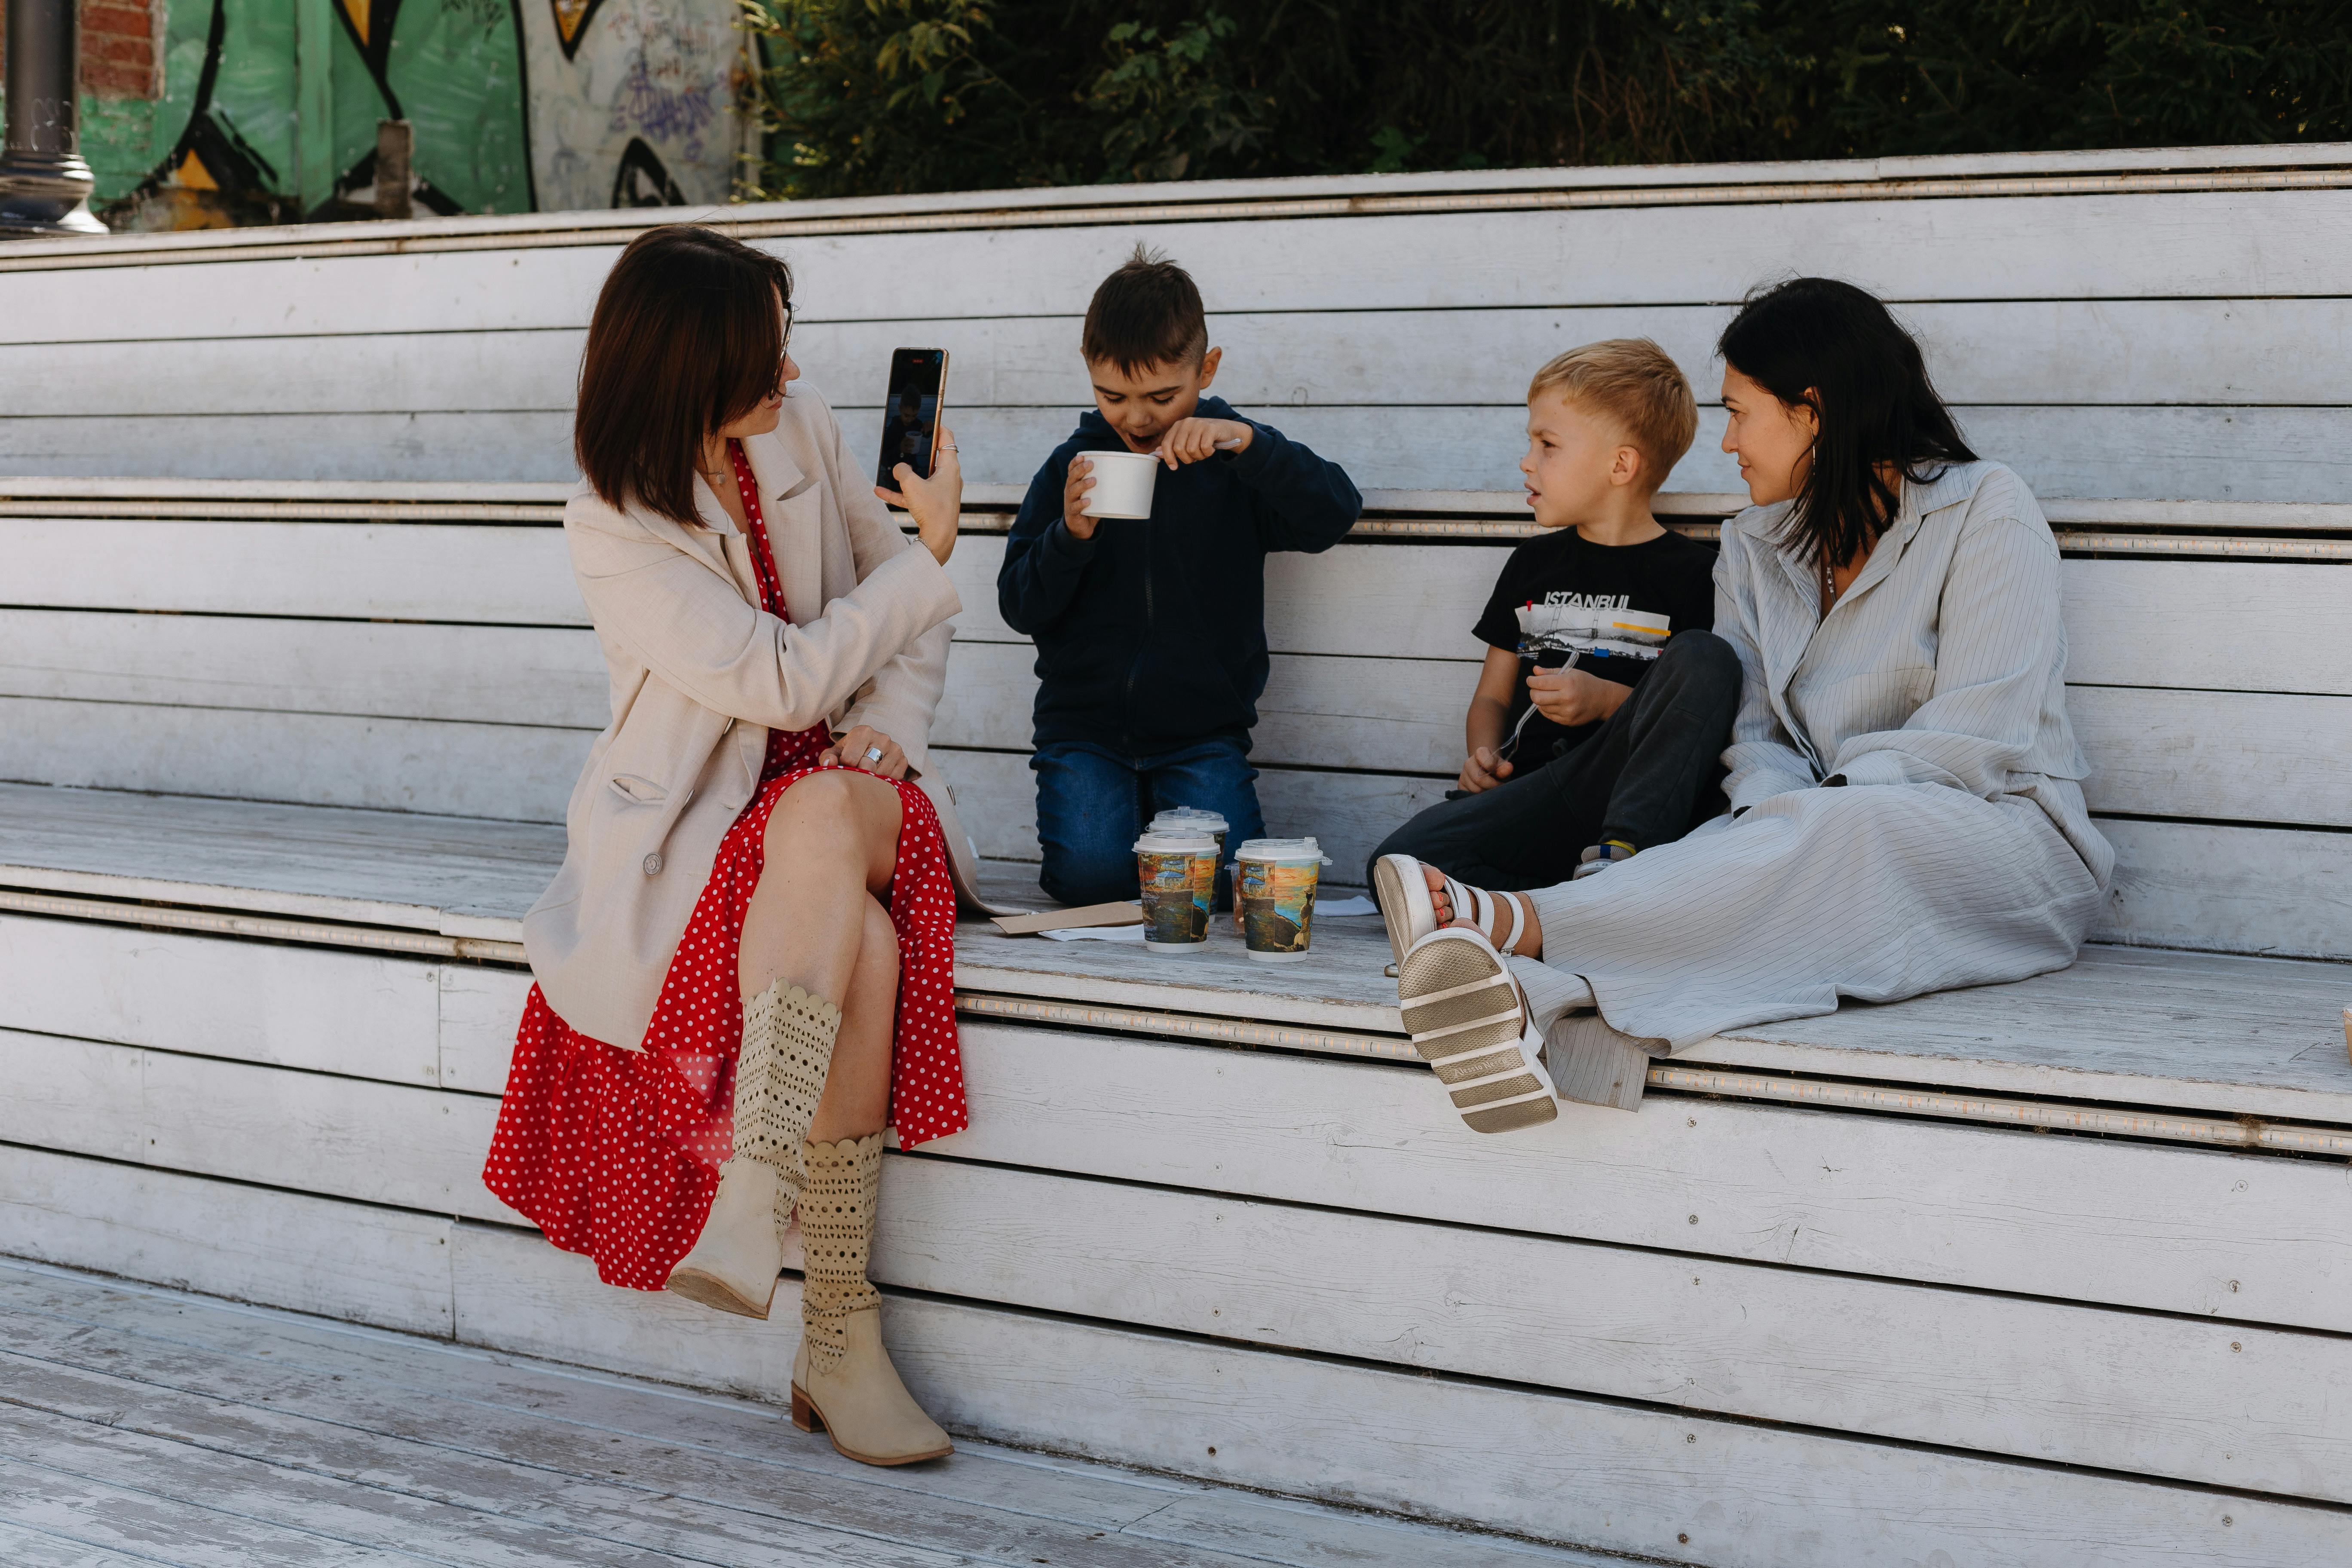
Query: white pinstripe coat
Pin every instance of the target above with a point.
(1960, 853)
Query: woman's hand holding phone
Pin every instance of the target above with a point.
(936, 503)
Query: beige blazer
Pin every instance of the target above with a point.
(700, 675)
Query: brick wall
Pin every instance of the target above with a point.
(122, 47)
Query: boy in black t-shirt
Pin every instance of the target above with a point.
(1606, 701)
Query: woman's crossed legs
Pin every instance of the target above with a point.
(817, 921)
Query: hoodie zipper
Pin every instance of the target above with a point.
(1135, 668)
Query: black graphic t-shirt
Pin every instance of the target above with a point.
(1611, 606)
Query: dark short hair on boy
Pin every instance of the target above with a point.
(1147, 312)
(1823, 341)
(687, 337)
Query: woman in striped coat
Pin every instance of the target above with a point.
(1905, 815)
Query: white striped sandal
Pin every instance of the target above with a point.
(1468, 1019)
(1401, 886)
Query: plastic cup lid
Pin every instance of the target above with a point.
(1189, 814)
(1280, 849)
(1163, 843)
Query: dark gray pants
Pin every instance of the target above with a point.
(1650, 775)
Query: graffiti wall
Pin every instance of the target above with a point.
(633, 102)
(268, 108)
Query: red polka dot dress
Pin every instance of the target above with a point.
(615, 1153)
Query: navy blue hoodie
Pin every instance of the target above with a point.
(1151, 635)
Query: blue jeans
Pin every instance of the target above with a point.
(1092, 804)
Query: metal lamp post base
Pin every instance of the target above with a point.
(45, 183)
(46, 200)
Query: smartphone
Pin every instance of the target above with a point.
(910, 414)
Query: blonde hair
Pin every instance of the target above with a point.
(1633, 382)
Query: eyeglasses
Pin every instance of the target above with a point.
(785, 345)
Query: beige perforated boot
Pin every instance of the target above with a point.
(843, 1381)
(787, 1050)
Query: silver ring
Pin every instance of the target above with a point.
(873, 754)
(950, 448)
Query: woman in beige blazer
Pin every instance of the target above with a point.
(745, 964)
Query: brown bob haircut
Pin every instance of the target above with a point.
(686, 338)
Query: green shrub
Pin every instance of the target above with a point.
(871, 96)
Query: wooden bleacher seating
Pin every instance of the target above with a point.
(1832, 1297)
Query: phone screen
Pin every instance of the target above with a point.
(910, 414)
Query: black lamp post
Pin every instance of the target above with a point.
(45, 183)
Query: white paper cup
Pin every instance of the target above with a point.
(1123, 482)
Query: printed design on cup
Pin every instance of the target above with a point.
(1273, 890)
(1174, 872)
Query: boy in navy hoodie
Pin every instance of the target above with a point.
(1150, 633)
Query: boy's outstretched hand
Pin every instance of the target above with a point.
(1482, 770)
(1191, 440)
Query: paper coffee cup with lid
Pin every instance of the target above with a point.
(1273, 893)
(1123, 484)
(1174, 870)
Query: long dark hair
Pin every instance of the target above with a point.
(1819, 342)
(686, 338)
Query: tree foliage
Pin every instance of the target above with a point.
(871, 96)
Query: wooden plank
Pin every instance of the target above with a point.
(1614, 1476)
(2122, 1025)
(2277, 760)
(481, 1007)
(171, 1451)
(2176, 753)
(350, 373)
(30, 1547)
(2273, 627)
(2217, 1403)
(2102, 246)
(359, 1263)
(128, 1518)
(1380, 600)
(495, 447)
(308, 1132)
(2279, 892)
(504, 771)
(539, 676)
(705, 1450)
(485, 574)
(2175, 1230)
(556, 1495)
(2174, 453)
(368, 867)
(312, 1008)
(2233, 351)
